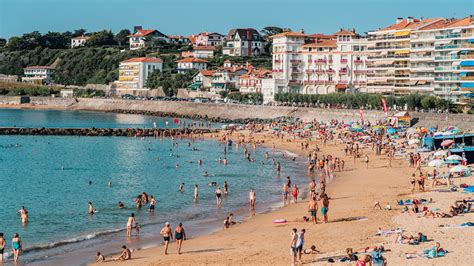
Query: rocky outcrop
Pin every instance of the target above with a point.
(104, 132)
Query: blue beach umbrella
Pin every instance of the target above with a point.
(391, 130)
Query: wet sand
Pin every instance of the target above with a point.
(353, 193)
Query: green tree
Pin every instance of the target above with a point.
(79, 32)
(101, 38)
(122, 37)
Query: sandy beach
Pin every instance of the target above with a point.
(353, 192)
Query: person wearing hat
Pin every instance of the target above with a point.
(167, 235)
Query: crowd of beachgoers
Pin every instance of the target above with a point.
(361, 143)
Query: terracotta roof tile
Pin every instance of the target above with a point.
(207, 73)
(191, 60)
(39, 67)
(344, 32)
(323, 43)
(142, 33)
(143, 60)
(204, 48)
(288, 34)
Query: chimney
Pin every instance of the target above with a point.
(410, 19)
(302, 31)
(399, 20)
(353, 30)
(136, 28)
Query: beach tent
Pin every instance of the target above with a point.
(400, 119)
(436, 163)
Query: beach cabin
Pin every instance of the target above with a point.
(400, 119)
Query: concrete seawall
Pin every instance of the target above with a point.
(238, 113)
(102, 132)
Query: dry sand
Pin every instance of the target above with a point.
(353, 193)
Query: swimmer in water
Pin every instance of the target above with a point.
(110, 183)
(206, 173)
(121, 205)
(91, 209)
(196, 192)
(181, 188)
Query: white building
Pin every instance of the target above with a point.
(243, 42)
(186, 64)
(146, 38)
(209, 39)
(203, 51)
(227, 77)
(422, 55)
(320, 66)
(202, 80)
(38, 74)
(134, 72)
(78, 41)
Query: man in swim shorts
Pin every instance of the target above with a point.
(312, 209)
(167, 235)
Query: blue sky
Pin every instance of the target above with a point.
(185, 17)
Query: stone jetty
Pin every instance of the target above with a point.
(103, 132)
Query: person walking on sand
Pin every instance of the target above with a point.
(366, 161)
(293, 249)
(295, 192)
(2, 247)
(313, 209)
(16, 247)
(252, 198)
(285, 193)
(131, 221)
(167, 235)
(325, 208)
(179, 235)
(300, 244)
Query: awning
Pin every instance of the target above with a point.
(341, 86)
(464, 52)
(402, 33)
(467, 63)
(471, 40)
(463, 74)
(456, 63)
(218, 85)
(421, 82)
(467, 85)
(383, 62)
(383, 53)
(456, 31)
(413, 82)
(453, 52)
(402, 52)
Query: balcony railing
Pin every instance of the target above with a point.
(453, 57)
(342, 72)
(452, 46)
(295, 61)
(467, 78)
(447, 36)
(310, 61)
(360, 72)
(343, 61)
(330, 71)
(446, 78)
(467, 45)
(330, 61)
(470, 56)
(321, 61)
(358, 62)
(382, 38)
(445, 68)
(295, 81)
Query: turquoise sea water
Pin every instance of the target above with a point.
(50, 175)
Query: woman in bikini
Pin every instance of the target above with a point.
(16, 247)
(294, 192)
(218, 196)
(130, 222)
(179, 235)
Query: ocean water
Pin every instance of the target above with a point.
(55, 177)
(81, 119)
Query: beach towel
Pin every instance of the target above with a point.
(389, 232)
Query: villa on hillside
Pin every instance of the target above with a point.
(203, 51)
(202, 80)
(38, 74)
(79, 41)
(145, 38)
(209, 39)
(226, 78)
(243, 42)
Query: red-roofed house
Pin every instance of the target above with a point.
(186, 64)
(38, 74)
(251, 82)
(133, 73)
(202, 79)
(79, 41)
(146, 38)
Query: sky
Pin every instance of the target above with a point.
(186, 17)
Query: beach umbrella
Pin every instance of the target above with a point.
(276, 129)
(439, 154)
(413, 141)
(436, 163)
(308, 126)
(454, 157)
(391, 130)
(447, 142)
(431, 129)
(224, 126)
(459, 169)
(439, 133)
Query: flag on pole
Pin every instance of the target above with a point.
(384, 106)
